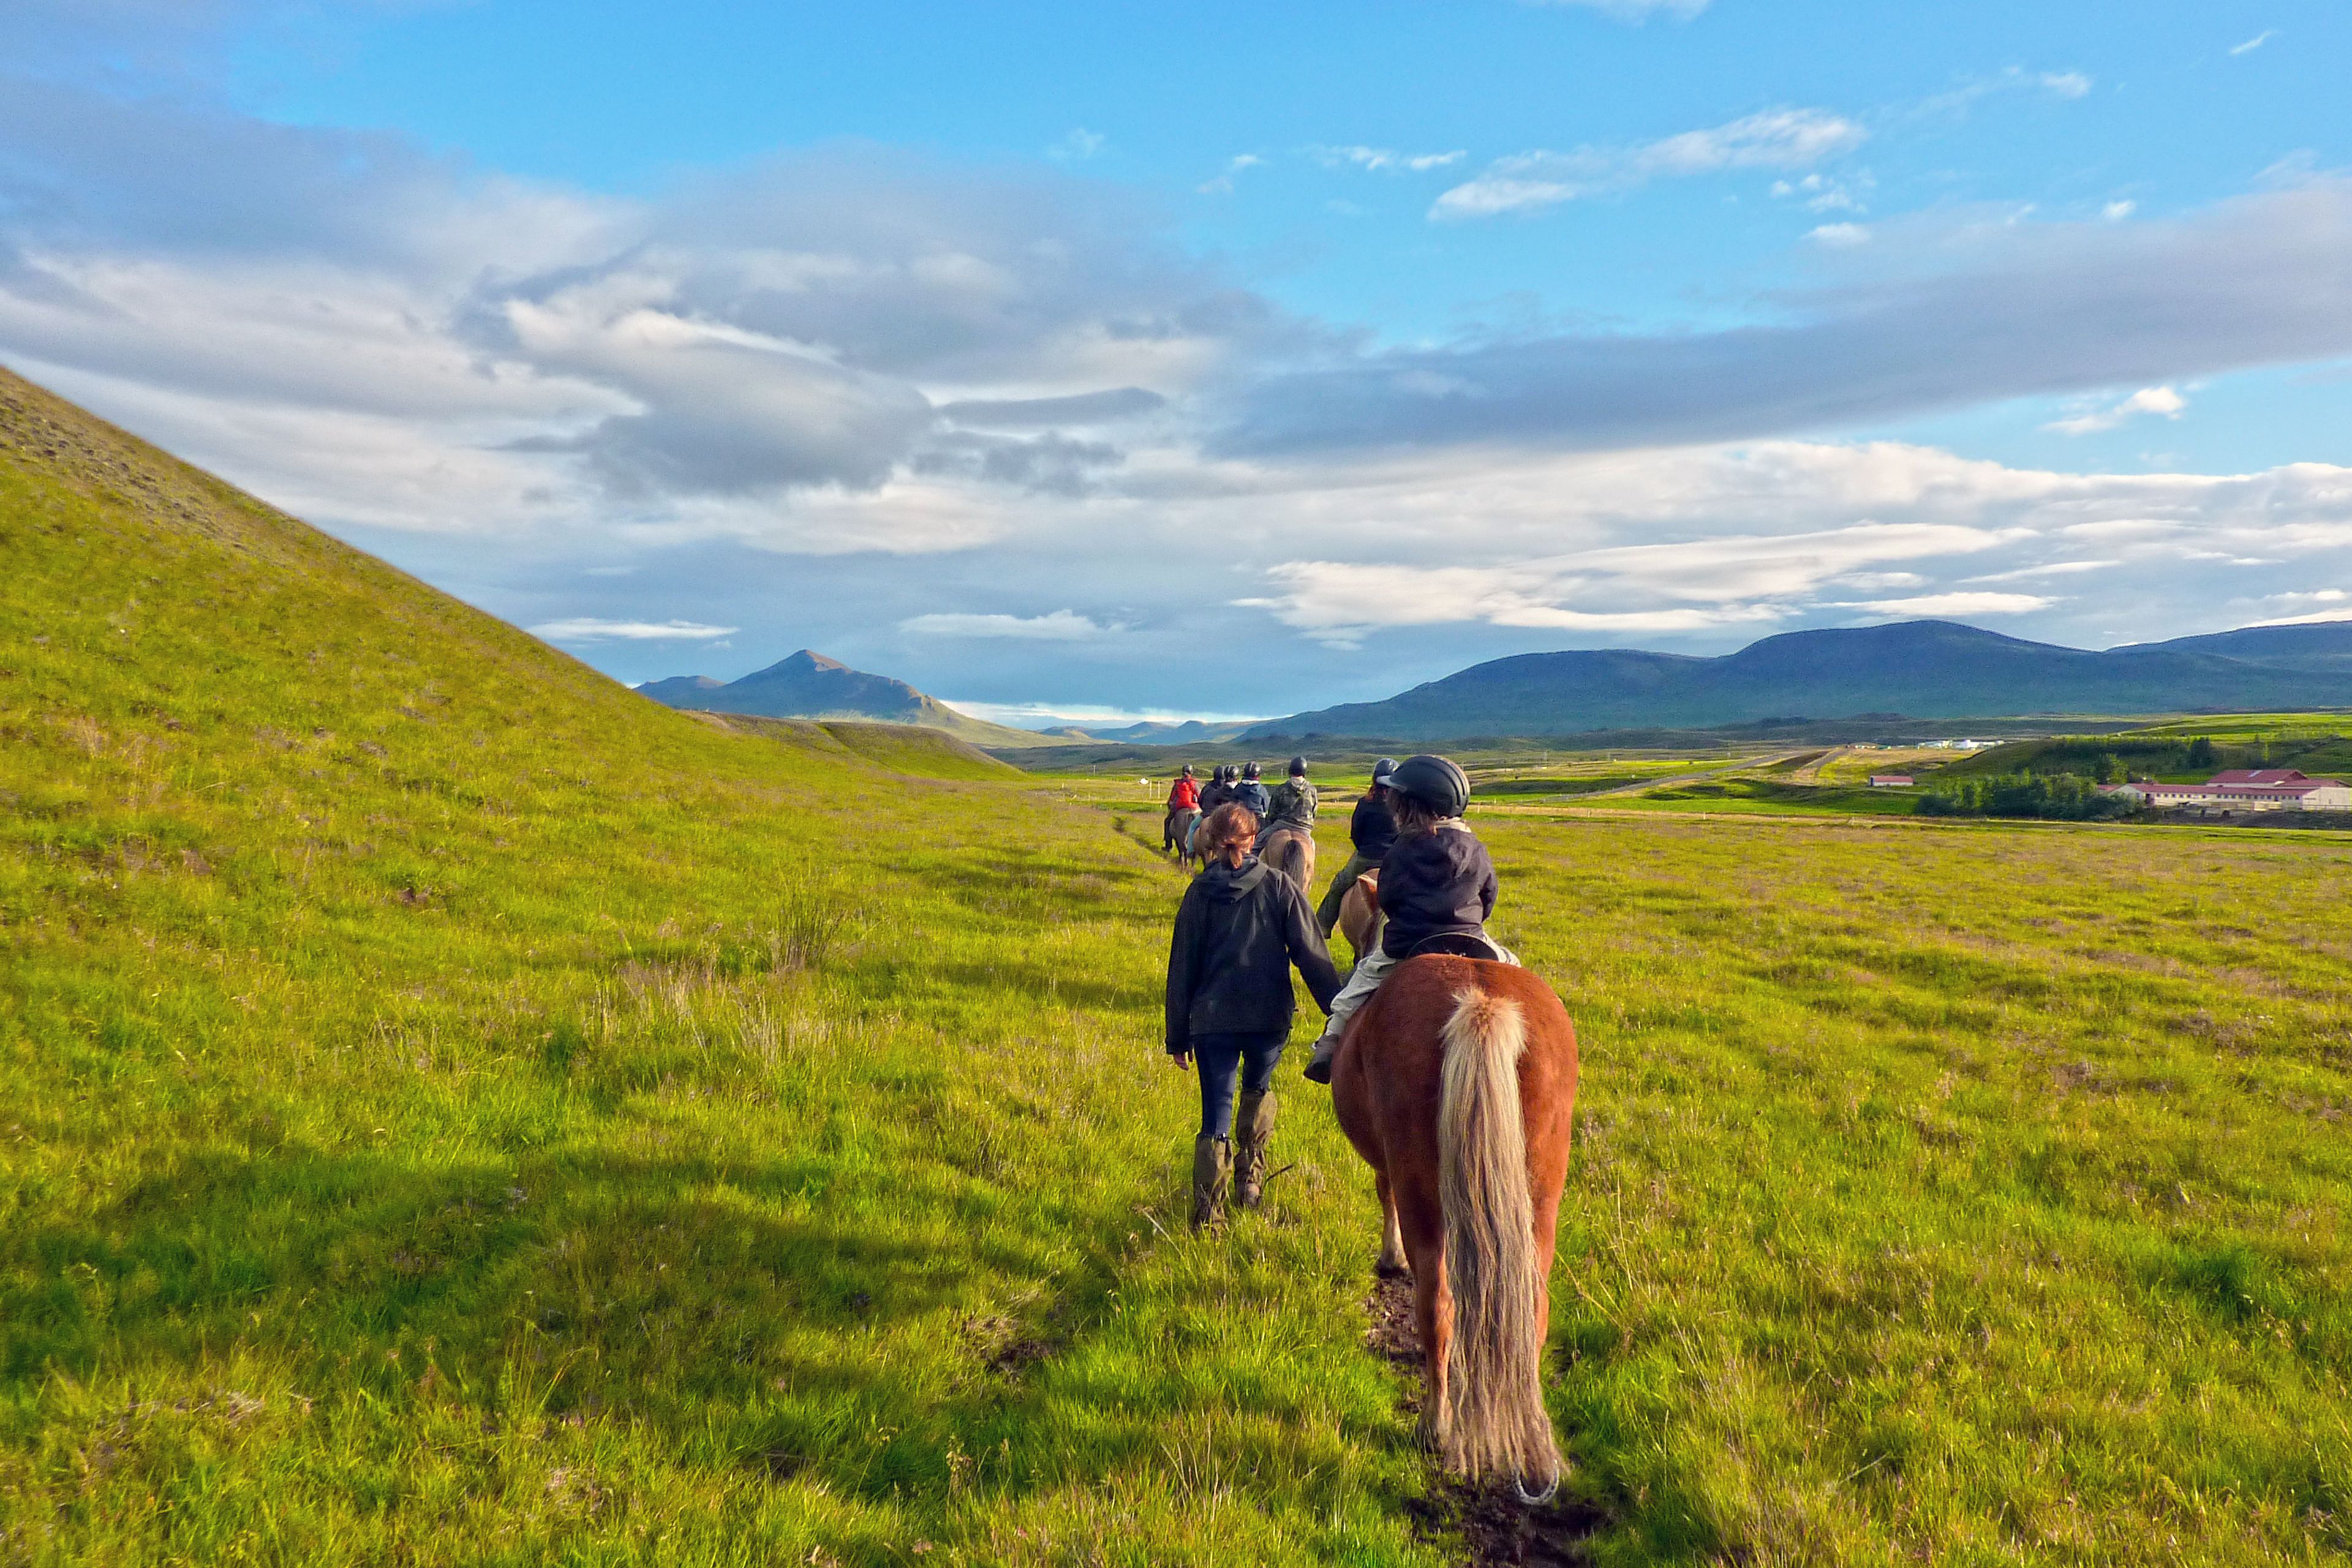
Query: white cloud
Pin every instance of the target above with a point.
(2116, 211)
(1775, 139)
(2160, 400)
(1047, 715)
(2256, 42)
(1633, 10)
(1839, 235)
(589, 629)
(2066, 84)
(1061, 625)
(1223, 184)
(1079, 144)
(1379, 160)
(1942, 606)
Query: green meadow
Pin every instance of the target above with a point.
(458, 1111)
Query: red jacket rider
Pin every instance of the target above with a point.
(1186, 795)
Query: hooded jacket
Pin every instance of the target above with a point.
(1237, 933)
(1252, 794)
(1439, 883)
(1372, 828)
(1292, 805)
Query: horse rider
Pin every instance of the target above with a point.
(1241, 927)
(1437, 889)
(1372, 828)
(1217, 791)
(1184, 795)
(1292, 805)
(1252, 794)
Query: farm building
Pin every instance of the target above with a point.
(1892, 781)
(2247, 789)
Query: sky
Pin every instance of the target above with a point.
(1109, 360)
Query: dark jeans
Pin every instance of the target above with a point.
(1219, 1059)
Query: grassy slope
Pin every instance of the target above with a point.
(446, 1131)
(915, 749)
(481, 1152)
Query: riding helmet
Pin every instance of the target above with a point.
(1249, 770)
(1299, 767)
(1188, 770)
(1434, 782)
(1383, 771)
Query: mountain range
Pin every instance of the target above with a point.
(1920, 669)
(808, 685)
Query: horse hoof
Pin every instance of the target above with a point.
(1384, 1270)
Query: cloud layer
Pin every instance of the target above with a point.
(970, 417)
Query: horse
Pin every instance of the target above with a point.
(1361, 919)
(1456, 1082)
(1176, 830)
(1291, 851)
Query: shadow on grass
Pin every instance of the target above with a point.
(792, 1323)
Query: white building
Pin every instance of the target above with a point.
(2247, 789)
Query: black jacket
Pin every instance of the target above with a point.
(1435, 884)
(1214, 795)
(1371, 829)
(1237, 934)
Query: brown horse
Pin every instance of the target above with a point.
(1361, 919)
(1457, 1083)
(1291, 851)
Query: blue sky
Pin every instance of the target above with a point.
(1220, 359)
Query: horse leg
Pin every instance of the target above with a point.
(1423, 1232)
(1392, 1264)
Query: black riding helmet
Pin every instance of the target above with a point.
(1299, 767)
(1249, 770)
(1433, 781)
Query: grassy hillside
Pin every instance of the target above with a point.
(917, 750)
(567, 1130)
(563, 1129)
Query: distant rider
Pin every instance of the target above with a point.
(1184, 795)
(1293, 803)
(1252, 794)
(1238, 932)
(1436, 881)
(1371, 829)
(1218, 790)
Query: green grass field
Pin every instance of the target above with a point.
(458, 1111)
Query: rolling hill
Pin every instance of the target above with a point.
(808, 685)
(1922, 670)
(453, 1110)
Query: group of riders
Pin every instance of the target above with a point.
(1244, 925)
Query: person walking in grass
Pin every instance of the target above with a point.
(1240, 929)
(1372, 828)
(1438, 889)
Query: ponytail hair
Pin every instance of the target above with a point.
(1230, 833)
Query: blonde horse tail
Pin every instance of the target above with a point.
(1494, 1421)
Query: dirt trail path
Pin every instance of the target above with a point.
(1493, 1524)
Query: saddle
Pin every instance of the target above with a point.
(1456, 944)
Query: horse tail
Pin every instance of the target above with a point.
(1494, 1420)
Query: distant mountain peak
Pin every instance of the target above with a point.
(810, 685)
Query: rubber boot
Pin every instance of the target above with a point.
(1213, 1163)
(1252, 1132)
(1319, 1066)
